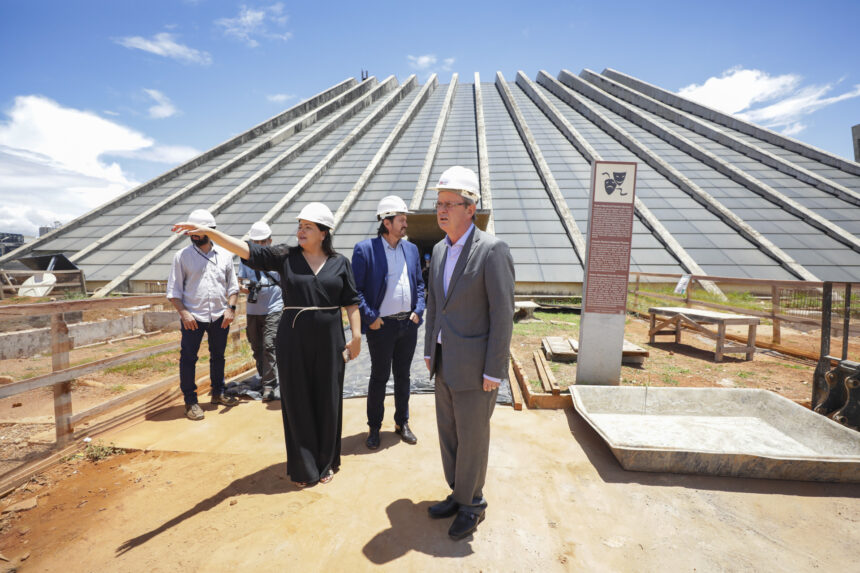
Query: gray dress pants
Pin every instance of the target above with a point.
(463, 421)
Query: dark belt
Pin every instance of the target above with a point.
(398, 316)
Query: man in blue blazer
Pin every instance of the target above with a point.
(390, 286)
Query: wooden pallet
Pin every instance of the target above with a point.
(558, 349)
(631, 354)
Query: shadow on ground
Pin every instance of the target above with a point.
(412, 530)
(690, 351)
(268, 481)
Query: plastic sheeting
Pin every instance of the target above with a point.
(357, 374)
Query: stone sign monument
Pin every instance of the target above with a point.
(607, 267)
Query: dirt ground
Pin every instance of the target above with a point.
(27, 419)
(27, 426)
(166, 507)
(690, 363)
(212, 496)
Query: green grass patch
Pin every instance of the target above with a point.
(544, 328)
(739, 299)
(669, 380)
(155, 363)
(118, 388)
(97, 451)
(677, 370)
(743, 374)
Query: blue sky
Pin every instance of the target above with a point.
(99, 96)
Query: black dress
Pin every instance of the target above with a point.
(309, 349)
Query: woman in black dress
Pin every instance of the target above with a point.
(311, 347)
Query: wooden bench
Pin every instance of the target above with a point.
(677, 317)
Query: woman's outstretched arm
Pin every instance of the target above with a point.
(232, 244)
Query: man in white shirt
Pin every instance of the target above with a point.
(387, 272)
(203, 289)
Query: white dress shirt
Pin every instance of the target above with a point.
(203, 281)
(398, 293)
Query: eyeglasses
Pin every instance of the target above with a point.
(447, 205)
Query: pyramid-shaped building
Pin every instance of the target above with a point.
(715, 195)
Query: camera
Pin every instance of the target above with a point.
(254, 290)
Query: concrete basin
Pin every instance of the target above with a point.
(719, 431)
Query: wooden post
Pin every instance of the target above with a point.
(83, 284)
(60, 346)
(688, 294)
(721, 340)
(636, 295)
(846, 328)
(751, 342)
(823, 361)
(234, 341)
(652, 324)
(774, 311)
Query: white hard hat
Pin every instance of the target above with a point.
(390, 205)
(460, 180)
(202, 218)
(260, 231)
(318, 213)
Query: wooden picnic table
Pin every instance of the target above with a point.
(677, 317)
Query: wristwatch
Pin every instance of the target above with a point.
(233, 307)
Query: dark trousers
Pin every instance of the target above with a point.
(463, 422)
(191, 340)
(262, 330)
(391, 348)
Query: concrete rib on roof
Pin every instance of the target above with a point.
(715, 194)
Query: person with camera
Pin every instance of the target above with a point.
(264, 307)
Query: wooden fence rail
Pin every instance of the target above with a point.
(62, 375)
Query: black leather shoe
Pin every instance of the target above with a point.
(464, 524)
(372, 441)
(406, 434)
(445, 508)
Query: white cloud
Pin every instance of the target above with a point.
(737, 89)
(784, 100)
(170, 154)
(251, 24)
(164, 44)
(53, 166)
(280, 98)
(804, 102)
(793, 129)
(429, 64)
(421, 63)
(109, 112)
(163, 106)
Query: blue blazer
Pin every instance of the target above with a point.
(370, 268)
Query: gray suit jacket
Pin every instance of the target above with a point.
(477, 317)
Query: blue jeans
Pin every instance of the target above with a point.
(191, 340)
(391, 348)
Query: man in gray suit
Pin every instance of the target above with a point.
(470, 309)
